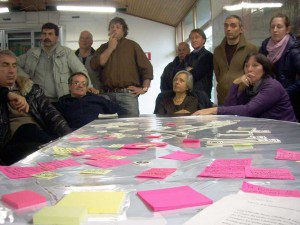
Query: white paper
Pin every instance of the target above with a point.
(250, 209)
(108, 116)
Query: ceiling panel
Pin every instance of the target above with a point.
(169, 12)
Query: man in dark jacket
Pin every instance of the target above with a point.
(178, 64)
(27, 117)
(81, 107)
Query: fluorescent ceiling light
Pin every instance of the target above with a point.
(4, 10)
(245, 5)
(86, 9)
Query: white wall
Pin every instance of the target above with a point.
(159, 39)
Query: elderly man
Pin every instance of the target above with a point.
(81, 107)
(85, 53)
(178, 64)
(50, 65)
(126, 72)
(28, 119)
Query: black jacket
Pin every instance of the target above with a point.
(40, 108)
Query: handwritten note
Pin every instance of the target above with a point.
(95, 171)
(63, 151)
(82, 138)
(268, 173)
(223, 172)
(173, 198)
(127, 152)
(182, 156)
(52, 165)
(90, 151)
(16, 172)
(287, 155)
(251, 188)
(160, 173)
(106, 162)
(47, 175)
(232, 162)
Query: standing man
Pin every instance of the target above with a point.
(126, 71)
(50, 65)
(27, 118)
(229, 56)
(85, 54)
(178, 64)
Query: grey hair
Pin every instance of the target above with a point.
(189, 81)
(7, 53)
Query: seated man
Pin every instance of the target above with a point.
(27, 118)
(81, 107)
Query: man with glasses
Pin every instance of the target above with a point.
(81, 107)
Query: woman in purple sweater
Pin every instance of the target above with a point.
(261, 95)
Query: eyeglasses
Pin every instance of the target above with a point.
(77, 83)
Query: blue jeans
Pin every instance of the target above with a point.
(128, 103)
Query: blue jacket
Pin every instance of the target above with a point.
(288, 66)
(271, 102)
(80, 111)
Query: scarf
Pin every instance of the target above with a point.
(252, 90)
(275, 50)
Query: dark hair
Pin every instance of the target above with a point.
(264, 61)
(287, 22)
(200, 32)
(120, 21)
(235, 17)
(51, 26)
(70, 79)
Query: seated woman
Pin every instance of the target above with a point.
(180, 102)
(262, 96)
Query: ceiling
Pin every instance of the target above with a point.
(169, 12)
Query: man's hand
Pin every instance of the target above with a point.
(136, 90)
(93, 90)
(113, 42)
(18, 102)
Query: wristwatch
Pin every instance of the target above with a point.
(145, 89)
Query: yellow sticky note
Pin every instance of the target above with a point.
(116, 157)
(46, 175)
(95, 171)
(238, 147)
(116, 146)
(95, 202)
(63, 151)
(60, 215)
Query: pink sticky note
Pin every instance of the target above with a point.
(170, 124)
(173, 198)
(157, 144)
(160, 173)
(141, 146)
(90, 151)
(22, 199)
(232, 162)
(268, 173)
(190, 140)
(180, 155)
(126, 152)
(251, 188)
(287, 155)
(223, 172)
(88, 138)
(107, 162)
(52, 165)
(16, 172)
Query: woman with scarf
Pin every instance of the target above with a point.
(283, 50)
(261, 95)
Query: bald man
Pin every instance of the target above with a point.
(85, 53)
